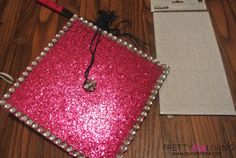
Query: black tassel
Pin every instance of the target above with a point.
(105, 21)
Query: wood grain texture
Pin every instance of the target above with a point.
(27, 28)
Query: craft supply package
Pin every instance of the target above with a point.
(185, 39)
(50, 98)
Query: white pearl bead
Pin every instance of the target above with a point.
(119, 40)
(46, 134)
(149, 102)
(16, 84)
(62, 32)
(34, 63)
(109, 35)
(166, 72)
(38, 58)
(154, 60)
(42, 54)
(147, 108)
(46, 49)
(50, 45)
(2, 102)
(39, 130)
(152, 97)
(58, 36)
(154, 92)
(124, 43)
(114, 38)
(58, 141)
(130, 46)
(18, 114)
(95, 28)
(150, 58)
(12, 110)
(68, 24)
(159, 63)
(133, 132)
(75, 16)
(52, 137)
(6, 96)
(104, 32)
(162, 77)
(64, 145)
(144, 55)
(69, 149)
(29, 68)
(25, 73)
(159, 81)
(11, 90)
(21, 79)
(164, 66)
(29, 122)
(136, 127)
(123, 148)
(157, 86)
(24, 118)
(65, 28)
(72, 19)
(90, 24)
(144, 114)
(54, 40)
(140, 119)
(140, 52)
(35, 125)
(135, 49)
(7, 106)
(75, 153)
(127, 142)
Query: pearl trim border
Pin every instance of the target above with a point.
(47, 134)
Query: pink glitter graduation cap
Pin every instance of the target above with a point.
(50, 97)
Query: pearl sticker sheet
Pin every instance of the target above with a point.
(198, 84)
(50, 98)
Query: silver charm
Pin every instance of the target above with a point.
(90, 85)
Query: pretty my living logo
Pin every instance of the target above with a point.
(199, 148)
(193, 149)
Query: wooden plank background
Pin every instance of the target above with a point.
(27, 28)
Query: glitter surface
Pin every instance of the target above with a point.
(94, 123)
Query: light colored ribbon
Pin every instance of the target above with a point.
(6, 77)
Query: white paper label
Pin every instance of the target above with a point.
(177, 5)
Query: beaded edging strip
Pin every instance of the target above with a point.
(47, 134)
